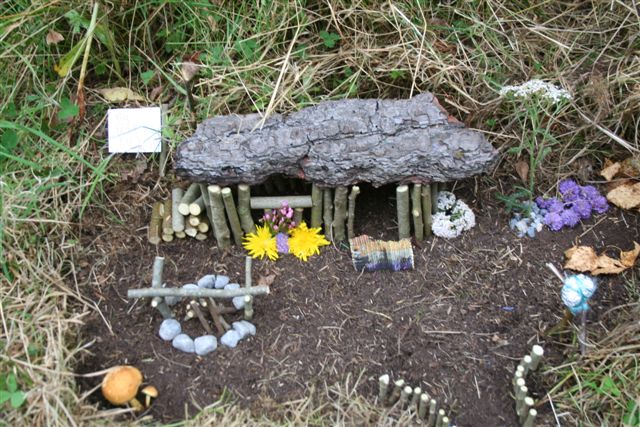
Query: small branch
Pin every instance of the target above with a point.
(177, 219)
(316, 209)
(197, 293)
(232, 214)
(244, 208)
(339, 213)
(219, 222)
(351, 215)
(155, 224)
(327, 209)
(196, 309)
(248, 307)
(196, 207)
(192, 193)
(276, 202)
(156, 284)
(402, 205)
(416, 211)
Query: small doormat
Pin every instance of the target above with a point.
(371, 255)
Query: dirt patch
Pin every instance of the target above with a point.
(455, 326)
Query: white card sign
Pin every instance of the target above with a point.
(134, 130)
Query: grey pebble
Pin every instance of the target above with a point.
(207, 281)
(169, 329)
(230, 338)
(221, 281)
(238, 302)
(205, 344)
(183, 342)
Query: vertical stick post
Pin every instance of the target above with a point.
(244, 208)
(355, 190)
(340, 213)
(223, 236)
(232, 214)
(316, 209)
(402, 204)
(416, 211)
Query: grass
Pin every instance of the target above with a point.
(266, 57)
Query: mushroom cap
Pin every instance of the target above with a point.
(121, 384)
(150, 391)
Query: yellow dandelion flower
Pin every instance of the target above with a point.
(305, 242)
(261, 243)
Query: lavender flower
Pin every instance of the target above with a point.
(569, 189)
(582, 208)
(570, 218)
(282, 243)
(589, 192)
(554, 221)
(555, 205)
(600, 204)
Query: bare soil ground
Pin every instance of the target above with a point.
(456, 325)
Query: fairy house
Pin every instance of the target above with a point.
(335, 145)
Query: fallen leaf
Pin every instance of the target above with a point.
(266, 280)
(585, 259)
(625, 196)
(610, 170)
(120, 94)
(628, 258)
(53, 37)
(522, 168)
(189, 70)
(581, 258)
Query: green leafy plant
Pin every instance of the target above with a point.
(329, 39)
(536, 106)
(9, 392)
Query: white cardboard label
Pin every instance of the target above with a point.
(134, 130)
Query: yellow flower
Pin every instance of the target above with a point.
(261, 243)
(305, 242)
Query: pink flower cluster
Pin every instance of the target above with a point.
(280, 220)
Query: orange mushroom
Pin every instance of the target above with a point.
(121, 384)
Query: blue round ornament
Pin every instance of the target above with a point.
(576, 291)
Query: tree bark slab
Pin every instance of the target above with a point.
(338, 143)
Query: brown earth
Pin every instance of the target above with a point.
(455, 326)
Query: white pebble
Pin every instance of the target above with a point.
(205, 344)
(232, 286)
(183, 342)
(207, 282)
(230, 338)
(241, 328)
(250, 326)
(238, 302)
(221, 281)
(169, 329)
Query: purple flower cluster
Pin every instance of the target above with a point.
(282, 243)
(575, 203)
(280, 220)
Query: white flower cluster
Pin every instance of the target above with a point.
(453, 217)
(538, 87)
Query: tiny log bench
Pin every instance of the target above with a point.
(337, 144)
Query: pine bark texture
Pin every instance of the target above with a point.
(338, 143)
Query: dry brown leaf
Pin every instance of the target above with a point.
(53, 37)
(625, 196)
(266, 280)
(581, 258)
(189, 71)
(610, 170)
(628, 258)
(120, 94)
(585, 259)
(522, 168)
